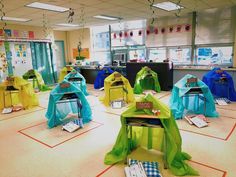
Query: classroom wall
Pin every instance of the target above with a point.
(73, 40)
(62, 36)
(38, 31)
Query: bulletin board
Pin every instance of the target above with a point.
(84, 53)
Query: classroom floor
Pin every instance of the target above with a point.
(29, 149)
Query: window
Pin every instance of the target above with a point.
(100, 44)
(180, 55)
(215, 55)
(157, 54)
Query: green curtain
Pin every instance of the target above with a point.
(42, 61)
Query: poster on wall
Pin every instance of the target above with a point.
(31, 34)
(20, 51)
(3, 62)
(15, 33)
(8, 32)
(21, 57)
(84, 53)
(24, 34)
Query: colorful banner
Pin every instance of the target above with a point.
(31, 34)
(16, 33)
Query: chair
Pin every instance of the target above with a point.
(10, 89)
(150, 121)
(195, 90)
(222, 82)
(118, 84)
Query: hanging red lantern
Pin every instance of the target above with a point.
(139, 32)
(156, 30)
(126, 34)
(131, 33)
(114, 35)
(148, 31)
(120, 34)
(178, 29)
(171, 29)
(163, 30)
(187, 27)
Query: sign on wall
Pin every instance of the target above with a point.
(84, 53)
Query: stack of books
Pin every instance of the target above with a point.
(197, 120)
(222, 101)
(74, 125)
(142, 169)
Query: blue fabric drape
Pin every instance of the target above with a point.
(81, 85)
(178, 103)
(42, 61)
(99, 81)
(220, 90)
(56, 113)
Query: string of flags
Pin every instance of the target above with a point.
(154, 30)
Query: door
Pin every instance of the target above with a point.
(60, 55)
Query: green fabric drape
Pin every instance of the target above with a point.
(42, 61)
(175, 157)
(146, 79)
(39, 80)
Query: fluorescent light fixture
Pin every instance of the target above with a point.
(67, 25)
(39, 5)
(168, 6)
(106, 17)
(15, 19)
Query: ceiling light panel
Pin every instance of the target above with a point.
(107, 17)
(15, 19)
(39, 5)
(168, 6)
(67, 25)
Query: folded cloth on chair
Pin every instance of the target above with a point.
(80, 84)
(220, 88)
(99, 81)
(149, 137)
(178, 103)
(56, 113)
(146, 79)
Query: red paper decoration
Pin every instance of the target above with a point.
(114, 35)
(178, 28)
(120, 34)
(163, 30)
(126, 34)
(131, 33)
(139, 32)
(187, 27)
(156, 30)
(171, 29)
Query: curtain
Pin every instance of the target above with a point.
(42, 61)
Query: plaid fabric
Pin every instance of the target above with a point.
(151, 168)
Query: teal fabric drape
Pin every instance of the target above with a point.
(42, 61)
